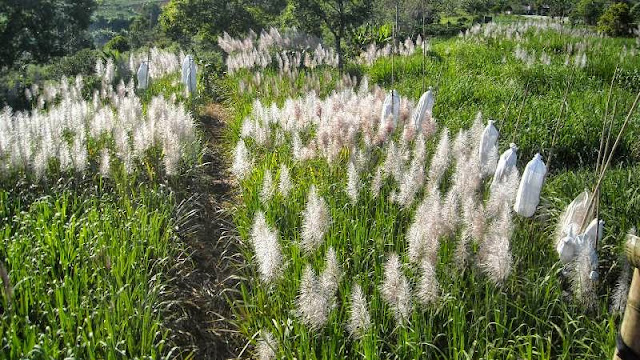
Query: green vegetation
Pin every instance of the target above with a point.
(616, 20)
(90, 231)
(87, 269)
(123, 9)
(472, 77)
(589, 11)
(533, 314)
(348, 233)
(36, 31)
(337, 17)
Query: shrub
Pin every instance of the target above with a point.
(119, 43)
(588, 11)
(82, 62)
(444, 30)
(635, 13)
(616, 21)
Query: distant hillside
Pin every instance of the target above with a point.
(122, 9)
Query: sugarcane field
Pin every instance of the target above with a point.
(320, 179)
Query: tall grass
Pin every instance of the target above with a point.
(87, 272)
(465, 313)
(484, 74)
(89, 219)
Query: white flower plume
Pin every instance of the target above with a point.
(316, 221)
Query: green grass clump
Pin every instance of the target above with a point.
(87, 272)
(470, 76)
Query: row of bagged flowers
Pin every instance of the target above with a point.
(361, 121)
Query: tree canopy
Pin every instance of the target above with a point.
(184, 19)
(37, 30)
(335, 16)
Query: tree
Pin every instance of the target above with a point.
(336, 16)
(410, 14)
(616, 20)
(557, 7)
(37, 30)
(478, 7)
(589, 11)
(143, 28)
(182, 20)
(119, 43)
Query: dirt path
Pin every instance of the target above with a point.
(203, 282)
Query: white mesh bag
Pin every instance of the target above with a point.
(143, 76)
(506, 164)
(528, 195)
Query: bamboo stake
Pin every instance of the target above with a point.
(611, 122)
(608, 162)
(629, 338)
(424, 51)
(524, 100)
(563, 105)
(604, 119)
(506, 114)
(602, 151)
(394, 48)
(606, 150)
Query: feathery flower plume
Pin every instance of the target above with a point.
(420, 149)
(583, 282)
(428, 288)
(316, 221)
(503, 193)
(475, 218)
(105, 163)
(440, 160)
(241, 161)
(495, 254)
(450, 218)
(467, 178)
(475, 133)
(361, 160)
(423, 234)
(248, 128)
(353, 183)
(266, 347)
(285, 181)
(267, 187)
(376, 183)
(460, 146)
(359, 318)
(621, 292)
(296, 146)
(408, 133)
(394, 162)
(411, 183)
(330, 277)
(312, 304)
(267, 249)
(395, 288)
